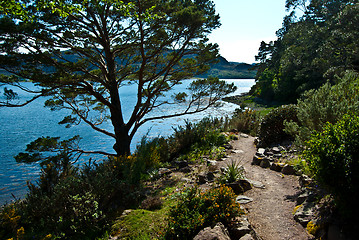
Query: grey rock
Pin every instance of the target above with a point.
(256, 184)
(269, 153)
(288, 170)
(241, 199)
(277, 155)
(256, 140)
(305, 213)
(219, 232)
(265, 163)
(243, 135)
(302, 198)
(276, 150)
(261, 151)
(211, 162)
(240, 228)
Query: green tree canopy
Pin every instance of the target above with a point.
(81, 52)
(310, 50)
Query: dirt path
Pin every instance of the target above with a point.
(270, 213)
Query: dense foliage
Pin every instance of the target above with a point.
(70, 202)
(309, 51)
(196, 210)
(271, 129)
(326, 104)
(333, 157)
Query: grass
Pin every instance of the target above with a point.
(252, 102)
(143, 224)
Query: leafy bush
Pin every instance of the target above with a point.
(196, 210)
(327, 104)
(202, 135)
(246, 121)
(271, 129)
(333, 156)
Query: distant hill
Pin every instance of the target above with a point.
(231, 70)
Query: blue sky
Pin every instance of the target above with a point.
(245, 23)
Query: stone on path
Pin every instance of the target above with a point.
(241, 199)
(219, 232)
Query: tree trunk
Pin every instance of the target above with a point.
(123, 142)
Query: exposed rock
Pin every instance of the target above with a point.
(211, 162)
(243, 135)
(305, 213)
(302, 198)
(256, 184)
(247, 237)
(261, 151)
(277, 155)
(187, 169)
(240, 229)
(269, 153)
(219, 232)
(241, 199)
(277, 167)
(305, 181)
(240, 186)
(276, 150)
(213, 168)
(288, 170)
(265, 163)
(202, 178)
(256, 140)
(164, 171)
(228, 146)
(256, 160)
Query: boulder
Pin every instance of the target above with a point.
(240, 186)
(228, 146)
(182, 164)
(218, 232)
(265, 163)
(288, 170)
(243, 135)
(277, 155)
(256, 160)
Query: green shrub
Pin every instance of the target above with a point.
(271, 129)
(333, 156)
(326, 104)
(202, 135)
(196, 210)
(232, 173)
(246, 121)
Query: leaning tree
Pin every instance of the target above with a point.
(80, 53)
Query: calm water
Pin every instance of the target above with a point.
(20, 126)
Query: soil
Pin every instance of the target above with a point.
(270, 213)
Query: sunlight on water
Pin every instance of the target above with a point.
(20, 126)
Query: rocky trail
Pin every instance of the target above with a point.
(271, 211)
